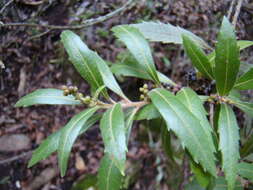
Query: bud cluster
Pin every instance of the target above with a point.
(144, 92)
(73, 90)
(218, 99)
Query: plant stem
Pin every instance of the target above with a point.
(84, 24)
(237, 12)
(123, 104)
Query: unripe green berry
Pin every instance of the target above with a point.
(64, 87)
(141, 89)
(75, 89)
(142, 97)
(145, 86)
(66, 92)
(145, 91)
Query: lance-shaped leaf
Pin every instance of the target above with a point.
(198, 57)
(246, 170)
(82, 58)
(109, 176)
(186, 126)
(227, 58)
(112, 127)
(229, 143)
(46, 148)
(220, 184)
(137, 70)
(46, 96)
(201, 176)
(194, 104)
(69, 135)
(247, 147)
(108, 78)
(245, 82)
(129, 122)
(139, 48)
(242, 44)
(51, 143)
(166, 33)
(247, 107)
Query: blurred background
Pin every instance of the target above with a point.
(33, 57)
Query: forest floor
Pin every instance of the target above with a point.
(32, 63)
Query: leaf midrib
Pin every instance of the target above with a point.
(68, 133)
(143, 55)
(83, 60)
(203, 154)
(57, 97)
(200, 62)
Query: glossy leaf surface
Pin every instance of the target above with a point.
(109, 176)
(194, 104)
(69, 134)
(139, 48)
(186, 126)
(227, 59)
(46, 96)
(229, 143)
(245, 82)
(112, 127)
(246, 170)
(198, 57)
(51, 143)
(82, 58)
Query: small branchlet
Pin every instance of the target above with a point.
(217, 99)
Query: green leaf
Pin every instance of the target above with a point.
(247, 147)
(220, 184)
(198, 57)
(147, 112)
(50, 144)
(69, 135)
(109, 176)
(246, 107)
(195, 105)
(46, 148)
(242, 44)
(229, 143)
(82, 58)
(112, 128)
(139, 48)
(186, 126)
(166, 141)
(227, 59)
(136, 70)
(88, 182)
(129, 122)
(46, 96)
(246, 170)
(245, 82)
(201, 176)
(108, 78)
(166, 33)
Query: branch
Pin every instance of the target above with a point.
(18, 157)
(86, 23)
(238, 9)
(231, 9)
(6, 5)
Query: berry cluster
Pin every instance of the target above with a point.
(73, 90)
